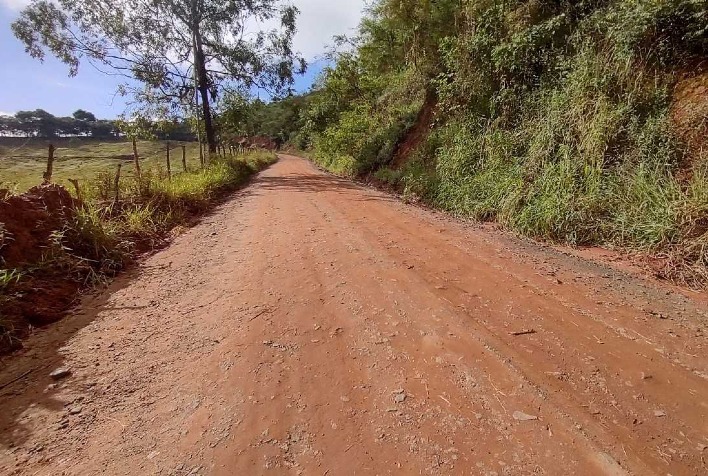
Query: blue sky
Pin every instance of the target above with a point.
(28, 84)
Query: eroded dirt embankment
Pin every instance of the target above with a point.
(28, 224)
(312, 326)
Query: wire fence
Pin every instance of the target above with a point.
(28, 162)
(32, 162)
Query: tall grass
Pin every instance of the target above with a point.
(109, 231)
(104, 234)
(591, 159)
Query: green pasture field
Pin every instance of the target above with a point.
(23, 161)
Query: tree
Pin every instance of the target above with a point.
(104, 129)
(81, 115)
(37, 123)
(174, 48)
(238, 114)
(8, 126)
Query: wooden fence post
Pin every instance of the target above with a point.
(116, 183)
(75, 183)
(50, 165)
(169, 169)
(184, 157)
(136, 159)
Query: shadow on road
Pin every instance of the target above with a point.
(320, 183)
(32, 366)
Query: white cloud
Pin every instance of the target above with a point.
(15, 5)
(320, 20)
(3, 113)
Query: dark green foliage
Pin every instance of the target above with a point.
(280, 120)
(665, 33)
(552, 117)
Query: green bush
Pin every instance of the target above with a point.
(419, 182)
(366, 137)
(389, 176)
(666, 32)
(343, 165)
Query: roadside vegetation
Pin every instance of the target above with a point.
(100, 234)
(151, 205)
(576, 122)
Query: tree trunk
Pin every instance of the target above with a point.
(198, 118)
(203, 86)
(50, 164)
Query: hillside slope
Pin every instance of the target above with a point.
(577, 122)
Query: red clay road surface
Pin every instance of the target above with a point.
(312, 326)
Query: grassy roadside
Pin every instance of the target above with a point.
(102, 236)
(647, 214)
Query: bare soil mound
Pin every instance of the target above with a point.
(27, 225)
(28, 221)
(417, 133)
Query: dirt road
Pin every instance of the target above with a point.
(311, 326)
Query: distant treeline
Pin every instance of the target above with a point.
(41, 124)
(280, 121)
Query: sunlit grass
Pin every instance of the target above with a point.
(104, 234)
(22, 165)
